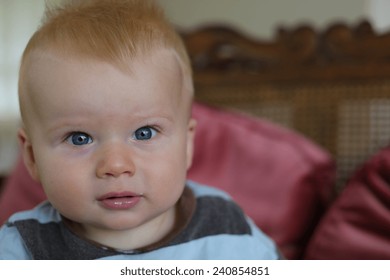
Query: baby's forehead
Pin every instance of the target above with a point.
(42, 71)
(60, 56)
(49, 61)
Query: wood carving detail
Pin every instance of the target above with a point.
(295, 52)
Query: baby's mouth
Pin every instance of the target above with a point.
(119, 200)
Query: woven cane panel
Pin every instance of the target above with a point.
(351, 120)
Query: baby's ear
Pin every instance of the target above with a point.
(190, 141)
(28, 154)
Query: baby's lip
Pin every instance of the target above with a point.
(119, 200)
(113, 195)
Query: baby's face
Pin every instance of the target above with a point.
(110, 148)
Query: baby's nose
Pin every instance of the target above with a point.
(114, 161)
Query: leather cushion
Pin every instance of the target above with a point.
(357, 226)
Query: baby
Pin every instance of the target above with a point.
(105, 94)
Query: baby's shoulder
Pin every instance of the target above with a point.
(201, 190)
(12, 244)
(43, 213)
(215, 207)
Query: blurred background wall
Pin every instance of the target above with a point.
(257, 18)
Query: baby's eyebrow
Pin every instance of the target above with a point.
(152, 117)
(66, 125)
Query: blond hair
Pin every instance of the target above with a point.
(114, 31)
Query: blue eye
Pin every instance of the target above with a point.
(79, 138)
(144, 133)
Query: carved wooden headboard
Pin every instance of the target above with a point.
(332, 86)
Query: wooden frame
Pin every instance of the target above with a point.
(333, 86)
